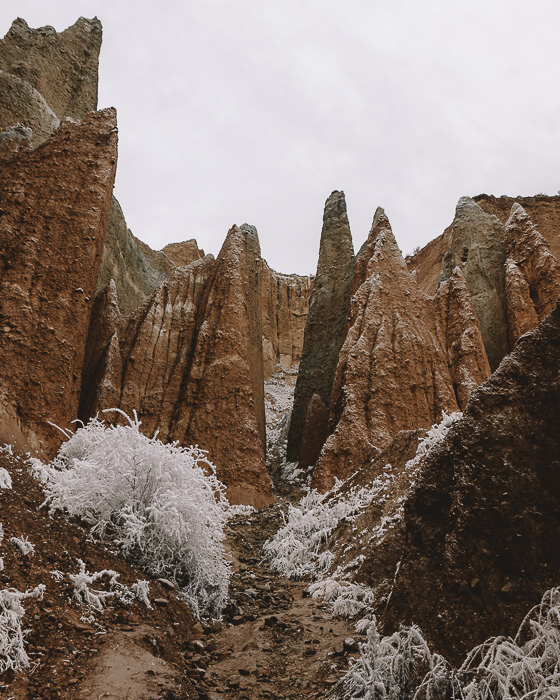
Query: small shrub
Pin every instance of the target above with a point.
(12, 651)
(402, 665)
(162, 504)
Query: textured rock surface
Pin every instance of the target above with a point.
(22, 104)
(14, 140)
(532, 274)
(223, 404)
(476, 245)
(285, 304)
(315, 432)
(54, 204)
(405, 360)
(459, 330)
(326, 321)
(543, 210)
(190, 362)
(61, 67)
(483, 521)
(184, 253)
(136, 269)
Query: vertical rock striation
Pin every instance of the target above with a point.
(476, 245)
(532, 274)
(326, 321)
(285, 304)
(190, 362)
(406, 358)
(54, 204)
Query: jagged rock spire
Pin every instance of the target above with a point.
(328, 309)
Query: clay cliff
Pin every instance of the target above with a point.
(189, 361)
(406, 358)
(326, 320)
(484, 510)
(54, 204)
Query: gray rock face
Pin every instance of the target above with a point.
(328, 309)
(22, 104)
(136, 269)
(61, 67)
(477, 247)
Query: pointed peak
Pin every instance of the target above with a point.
(382, 234)
(336, 250)
(517, 215)
(335, 206)
(464, 205)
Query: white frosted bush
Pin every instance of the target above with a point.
(23, 544)
(5, 479)
(95, 598)
(402, 665)
(347, 599)
(161, 503)
(12, 651)
(295, 549)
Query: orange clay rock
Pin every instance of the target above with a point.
(405, 360)
(532, 274)
(54, 206)
(190, 362)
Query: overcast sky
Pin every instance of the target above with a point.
(234, 111)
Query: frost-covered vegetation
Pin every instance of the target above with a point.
(297, 550)
(95, 598)
(23, 544)
(402, 665)
(348, 599)
(162, 504)
(12, 651)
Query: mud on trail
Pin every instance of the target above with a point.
(275, 641)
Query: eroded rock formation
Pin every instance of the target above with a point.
(476, 244)
(62, 67)
(406, 358)
(532, 274)
(285, 304)
(190, 362)
(543, 210)
(483, 518)
(326, 321)
(54, 204)
(136, 269)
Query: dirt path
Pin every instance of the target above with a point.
(275, 641)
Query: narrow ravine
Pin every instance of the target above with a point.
(274, 641)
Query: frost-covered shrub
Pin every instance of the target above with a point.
(161, 503)
(23, 544)
(12, 651)
(83, 594)
(5, 479)
(402, 665)
(95, 598)
(294, 550)
(347, 599)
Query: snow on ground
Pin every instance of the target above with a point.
(278, 402)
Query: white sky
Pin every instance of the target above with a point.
(234, 111)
